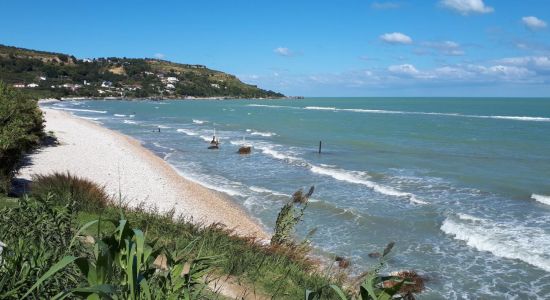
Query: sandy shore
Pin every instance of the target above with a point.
(122, 165)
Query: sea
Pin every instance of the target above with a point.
(461, 185)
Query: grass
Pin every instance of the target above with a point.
(278, 271)
(40, 234)
(7, 202)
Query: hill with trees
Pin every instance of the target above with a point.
(53, 75)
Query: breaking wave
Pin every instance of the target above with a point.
(264, 134)
(541, 198)
(507, 240)
(199, 121)
(82, 110)
(186, 131)
(357, 177)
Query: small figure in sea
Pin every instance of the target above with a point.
(159, 129)
(214, 144)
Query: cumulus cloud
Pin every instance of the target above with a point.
(466, 7)
(536, 63)
(386, 5)
(159, 55)
(283, 51)
(445, 47)
(405, 69)
(396, 38)
(533, 23)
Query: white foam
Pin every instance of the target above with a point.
(270, 106)
(468, 217)
(207, 138)
(186, 131)
(83, 110)
(541, 198)
(163, 126)
(264, 134)
(248, 130)
(379, 111)
(357, 177)
(276, 154)
(507, 240)
(267, 191)
(119, 115)
(321, 108)
(199, 121)
(129, 122)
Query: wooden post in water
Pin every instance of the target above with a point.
(320, 144)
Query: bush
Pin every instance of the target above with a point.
(35, 235)
(21, 127)
(86, 194)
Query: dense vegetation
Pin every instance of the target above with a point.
(20, 130)
(57, 248)
(46, 74)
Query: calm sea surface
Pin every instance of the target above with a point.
(461, 185)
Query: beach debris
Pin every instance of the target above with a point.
(245, 150)
(413, 283)
(343, 263)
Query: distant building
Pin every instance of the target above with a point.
(215, 85)
(148, 73)
(172, 79)
(170, 86)
(42, 78)
(106, 84)
(32, 85)
(87, 60)
(19, 85)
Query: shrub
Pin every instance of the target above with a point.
(21, 127)
(86, 194)
(35, 235)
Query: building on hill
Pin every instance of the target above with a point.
(32, 85)
(19, 85)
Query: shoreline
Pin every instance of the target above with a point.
(123, 166)
(187, 98)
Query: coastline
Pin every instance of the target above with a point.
(124, 167)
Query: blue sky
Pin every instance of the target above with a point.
(312, 48)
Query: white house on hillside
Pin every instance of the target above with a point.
(32, 85)
(172, 79)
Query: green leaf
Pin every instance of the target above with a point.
(54, 269)
(81, 230)
(338, 291)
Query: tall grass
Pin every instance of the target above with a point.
(63, 186)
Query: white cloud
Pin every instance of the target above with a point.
(466, 7)
(396, 38)
(283, 51)
(386, 5)
(405, 69)
(537, 63)
(533, 23)
(446, 47)
(159, 55)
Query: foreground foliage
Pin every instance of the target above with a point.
(20, 130)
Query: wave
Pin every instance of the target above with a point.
(267, 191)
(186, 131)
(163, 126)
(271, 106)
(199, 121)
(320, 108)
(276, 154)
(507, 240)
(379, 111)
(264, 134)
(541, 198)
(83, 110)
(357, 177)
(129, 122)
(119, 115)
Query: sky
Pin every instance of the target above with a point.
(462, 48)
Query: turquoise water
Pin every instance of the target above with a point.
(461, 185)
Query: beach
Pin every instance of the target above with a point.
(128, 170)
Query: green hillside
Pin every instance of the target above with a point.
(46, 74)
